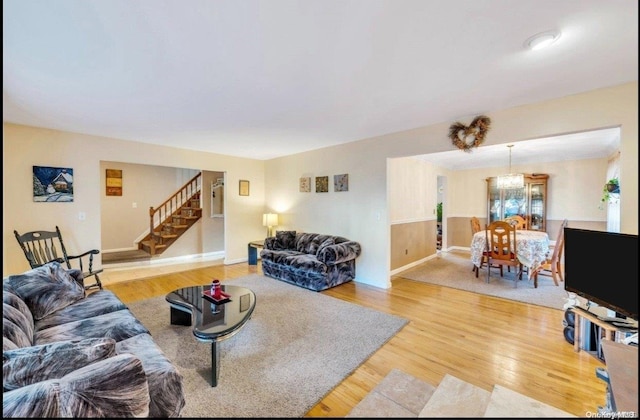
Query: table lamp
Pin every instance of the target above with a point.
(270, 220)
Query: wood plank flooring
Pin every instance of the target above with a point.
(480, 339)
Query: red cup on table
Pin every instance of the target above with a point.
(216, 291)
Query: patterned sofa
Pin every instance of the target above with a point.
(68, 354)
(310, 260)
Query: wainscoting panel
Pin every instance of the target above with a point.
(412, 241)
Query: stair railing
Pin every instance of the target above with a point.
(158, 216)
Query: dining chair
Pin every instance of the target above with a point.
(475, 225)
(475, 228)
(517, 221)
(552, 266)
(41, 247)
(501, 241)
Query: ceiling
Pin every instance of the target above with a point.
(263, 79)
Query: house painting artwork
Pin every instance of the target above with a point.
(52, 185)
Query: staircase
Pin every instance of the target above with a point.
(402, 395)
(173, 218)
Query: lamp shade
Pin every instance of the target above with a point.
(270, 219)
(510, 181)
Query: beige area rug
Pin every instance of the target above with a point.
(295, 349)
(453, 269)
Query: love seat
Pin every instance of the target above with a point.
(69, 354)
(311, 260)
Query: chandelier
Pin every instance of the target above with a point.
(510, 180)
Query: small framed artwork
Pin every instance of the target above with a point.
(52, 185)
(114, 182)
(244, 187)
(305, 184)
(322, 184)
(341, 182)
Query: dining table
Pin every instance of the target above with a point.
(532, 247)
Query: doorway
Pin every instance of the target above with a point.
(440, 214)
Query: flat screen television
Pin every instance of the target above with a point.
(602, 267)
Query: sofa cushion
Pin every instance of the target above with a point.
(114, 387)
(308, 243)
(278, 257)
(45, 289)
(306, 262)
(17, 322)
(165, 382)
(28, 365)
(13, 336)
(118, 325)
(285, 239)
(96, 303)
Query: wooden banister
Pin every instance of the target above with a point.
(163, 213)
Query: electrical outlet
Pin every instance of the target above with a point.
(134, 205)
(82, 216)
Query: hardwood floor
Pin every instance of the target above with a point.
(480, 339)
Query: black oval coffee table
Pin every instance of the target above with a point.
(212, 322)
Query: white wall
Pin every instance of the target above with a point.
(360, 214)
(363, 213)
(25, 146)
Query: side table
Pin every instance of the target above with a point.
(252, 250)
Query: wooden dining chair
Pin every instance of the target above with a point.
(517, 221)
(552, 266)
(475, 225)
(475, 228)
(501, 241)
(41, 247)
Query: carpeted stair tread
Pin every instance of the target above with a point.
(507, 403)
(456, 398)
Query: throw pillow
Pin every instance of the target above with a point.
(28, 365)
(285, 239)
(46, 289)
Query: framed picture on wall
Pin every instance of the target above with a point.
(52, 185)
(305, 184)
(341, 182)
(114, 182)
(244, 187)
(322, 184)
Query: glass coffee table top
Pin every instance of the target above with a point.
(212, 321)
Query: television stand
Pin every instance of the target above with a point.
(612, 319)
(609, 328)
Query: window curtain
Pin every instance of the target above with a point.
(613, 206)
